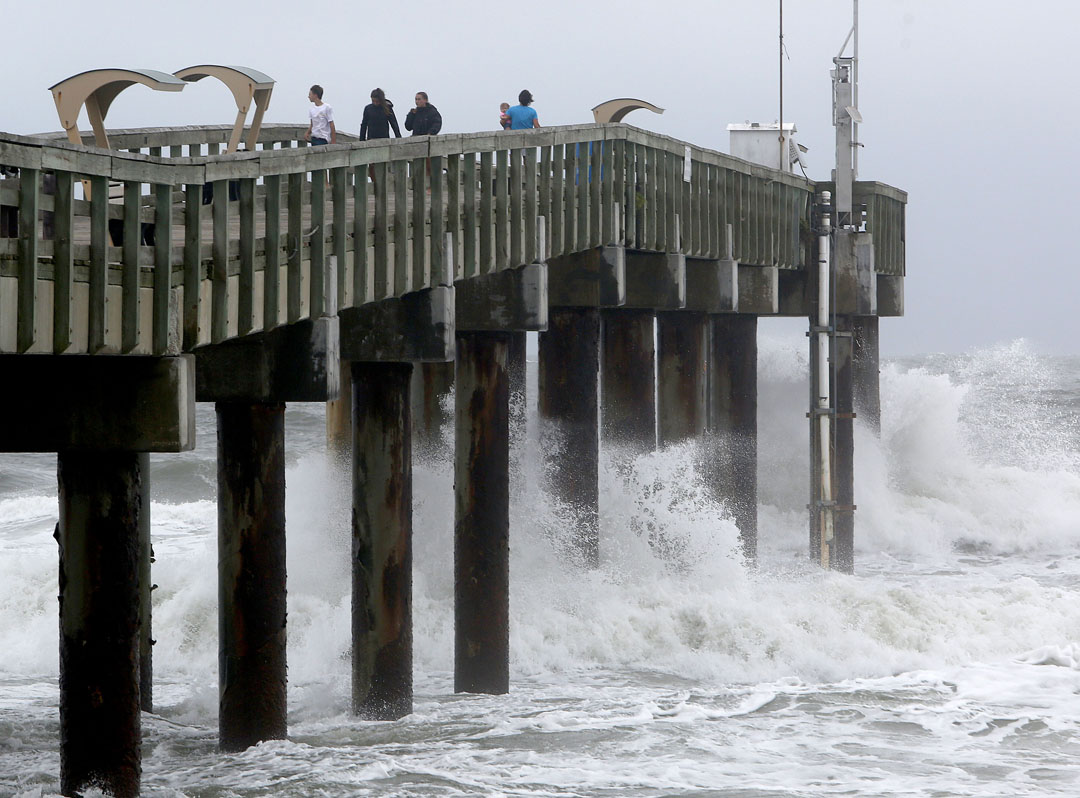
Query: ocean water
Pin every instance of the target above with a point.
(949, 665)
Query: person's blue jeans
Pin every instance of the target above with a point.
(316, 140)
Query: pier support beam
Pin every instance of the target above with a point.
(866, 366)
(146, 558)
(100, 739)
(382, 684)
(251, 573)
(842, 557)
(382, 340)
(430, 383)
(731, 467)
(482, 514)
(339, 415)
(681, 345)
(628, 383)
(568, 377)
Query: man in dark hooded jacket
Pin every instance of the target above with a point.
(424, 119)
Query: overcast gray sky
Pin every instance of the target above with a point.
(969, 106)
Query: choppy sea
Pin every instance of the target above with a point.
(948, 665)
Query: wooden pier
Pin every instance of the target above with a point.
(135, 282)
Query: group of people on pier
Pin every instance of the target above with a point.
(423, 120)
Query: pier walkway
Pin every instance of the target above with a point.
(137, 281)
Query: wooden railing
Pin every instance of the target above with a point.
(152, 269)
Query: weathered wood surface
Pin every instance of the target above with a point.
(374, 223)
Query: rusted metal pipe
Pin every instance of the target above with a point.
(382, 540)
(681, 344)
(482, 514)
(568, 376)
(731, 453)
(628, 380)
(98, 534)
(252, 674)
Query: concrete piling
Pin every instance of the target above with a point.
(339, 417)
(731, 449)
(681, 345)
(146, 558)
(628, 381)
(866, 371)
(100, 737)
(382, 540)
(482, 514)
(430, 383)
(568, 376)
(251, 573)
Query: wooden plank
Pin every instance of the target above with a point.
(381, 174)
(439, 254)
(597, 210)
(614, 188)
(700, 208)
(219, 293)
(653, 215)
(63, 251)
(502, 209)
(636, 196)
(129, 281)
(544, 200)
(517, 208)
(401, 227)
(556, 222)
(317, 246)
(162, 269)
(362, 288)
(453, 211)
(470, 256)
(665, 211)
(99, 266)
(581, 175)
(530, 211)
(712, 212)
(192, 263)
(487, 218)
(272, 251)
(245, 303)
(29, 194)
(339, 177)
(420, 277)
(295, 248)
(569, 198)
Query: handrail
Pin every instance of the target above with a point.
(291, 231)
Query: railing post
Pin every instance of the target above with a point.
(29, 194)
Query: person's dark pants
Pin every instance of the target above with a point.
(316, 140)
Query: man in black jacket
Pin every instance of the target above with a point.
(424, 119)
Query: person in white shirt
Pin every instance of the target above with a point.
(321, 129)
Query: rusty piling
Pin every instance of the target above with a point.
(681, 345)
(628, 380)
(568, 376)
(866, 366)
(731, 451)
(482, 514)
(98, 535)
(382, 540)
(251, 573)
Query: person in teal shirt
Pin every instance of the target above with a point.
(522, 117)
